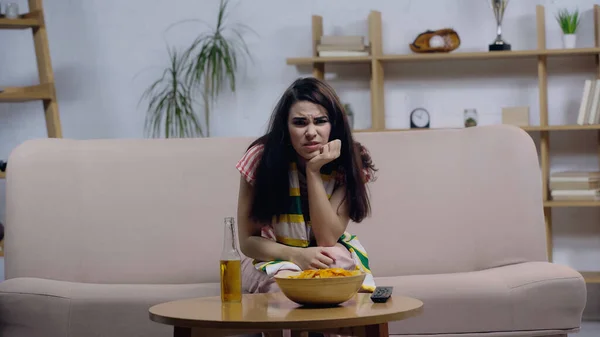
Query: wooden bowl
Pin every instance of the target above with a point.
(421, 42)
(328, 291)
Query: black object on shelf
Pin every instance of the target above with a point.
(3, 166)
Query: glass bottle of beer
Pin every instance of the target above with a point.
(231, 270)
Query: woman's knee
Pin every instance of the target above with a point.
(255, 281)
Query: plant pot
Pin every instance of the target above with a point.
(569, 41)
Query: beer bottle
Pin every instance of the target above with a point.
(231, 269)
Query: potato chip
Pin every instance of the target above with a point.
(324, 273)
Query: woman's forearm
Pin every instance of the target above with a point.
(263, 249)
(324, 220)
(251, 243)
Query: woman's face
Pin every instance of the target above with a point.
(309, 128)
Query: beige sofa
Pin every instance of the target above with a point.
(97, 231)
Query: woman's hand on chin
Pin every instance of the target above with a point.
(328, 153)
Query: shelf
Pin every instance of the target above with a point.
(485, 55)
(30, 20)
(25, 94)
(480, 55)
(591, 276)
(339, 59)
(571, 203)
(573, 127)
(570, 52)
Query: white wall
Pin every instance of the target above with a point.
(104, 56)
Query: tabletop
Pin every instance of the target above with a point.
(275, 311)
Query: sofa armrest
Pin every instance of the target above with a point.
(43, 313)
(46, 308)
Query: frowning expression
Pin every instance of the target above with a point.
(309, 128)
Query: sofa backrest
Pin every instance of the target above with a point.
(152, 210)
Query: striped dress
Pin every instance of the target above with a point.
(292, 228)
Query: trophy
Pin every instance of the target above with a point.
(499, 6)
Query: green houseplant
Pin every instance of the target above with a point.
(569, 23)
(202, 70)
(171, 109)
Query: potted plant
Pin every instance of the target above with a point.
(568, 22)
(200, 71)
(171, 110)
(470, 116)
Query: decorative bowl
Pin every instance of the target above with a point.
(448, 37)
(320, 291)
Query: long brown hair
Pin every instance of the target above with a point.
(271, 187)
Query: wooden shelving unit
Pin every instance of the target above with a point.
(26, 94)
(45, 91)
(377, 59)
(33, 19)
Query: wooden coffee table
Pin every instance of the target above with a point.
(274, 312)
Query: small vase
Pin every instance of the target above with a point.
(569, 40)
(12, 10)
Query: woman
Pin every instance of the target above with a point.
(301, 183)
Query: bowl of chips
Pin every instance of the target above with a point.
(320, 287)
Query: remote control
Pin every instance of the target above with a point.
(381, 294)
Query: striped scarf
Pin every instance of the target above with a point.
(291, 229)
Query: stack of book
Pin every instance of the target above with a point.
(338, 45)
(589, 108)
(575, 185)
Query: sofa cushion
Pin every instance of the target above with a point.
(36, 307)
(519, 297)
(516, 298)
